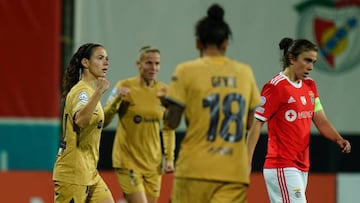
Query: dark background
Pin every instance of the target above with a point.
(325, 156)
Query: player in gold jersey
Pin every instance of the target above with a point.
(217, 95)
(75, 174)
(137, 154)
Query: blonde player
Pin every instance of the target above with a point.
(75, 174)
(137, 154)
(290, 103)
(217, 95)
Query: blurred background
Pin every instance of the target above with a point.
(38, 37)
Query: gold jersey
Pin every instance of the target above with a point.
(78, 154)
(137, 143)
(217, 94)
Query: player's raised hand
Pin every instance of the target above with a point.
(123, 91)
(102, 84)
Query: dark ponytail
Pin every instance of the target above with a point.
(73, 70)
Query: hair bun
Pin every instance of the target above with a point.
(216, 12)
(285, 43)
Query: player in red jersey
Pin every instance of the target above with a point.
(289, 104)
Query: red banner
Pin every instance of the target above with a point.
(30, 51)
(24, 187)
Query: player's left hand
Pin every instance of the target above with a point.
(344, 145)
(169, 167)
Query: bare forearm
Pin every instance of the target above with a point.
(253, 137)
(328, 130)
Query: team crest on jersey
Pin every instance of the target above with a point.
(334, 27)
(312, 97)
(303, 100)
(297, 192)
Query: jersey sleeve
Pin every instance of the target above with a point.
(112, 104)
(168, 136)
(269, 102)
(79, 99)
(169, 143)
(255, 95)
(177, 87)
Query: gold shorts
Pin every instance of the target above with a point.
(131, 182)
(196, 190)
(67, 192)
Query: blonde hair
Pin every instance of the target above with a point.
(146, 49)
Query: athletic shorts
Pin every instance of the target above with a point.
(68, 193)
(196, 190)
(286, 184)
(131, 182)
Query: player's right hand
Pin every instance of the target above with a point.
(123, 91)
(102, 84)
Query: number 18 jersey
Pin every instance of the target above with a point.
(217, 94)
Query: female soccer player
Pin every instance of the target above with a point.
(137, 154)
(217, 96)
(75, 173)
(289, 104)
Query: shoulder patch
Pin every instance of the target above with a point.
(83, 96)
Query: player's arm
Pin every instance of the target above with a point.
(83, 116)
(115, 103)
(326, 128)
(168, 135)
(110, 109)
(173, 112)
(250, 119)
(253, 137)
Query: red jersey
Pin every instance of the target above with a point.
(288, 108)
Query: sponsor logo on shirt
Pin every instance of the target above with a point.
(291, 115)
(138, 119)
(291, 100)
